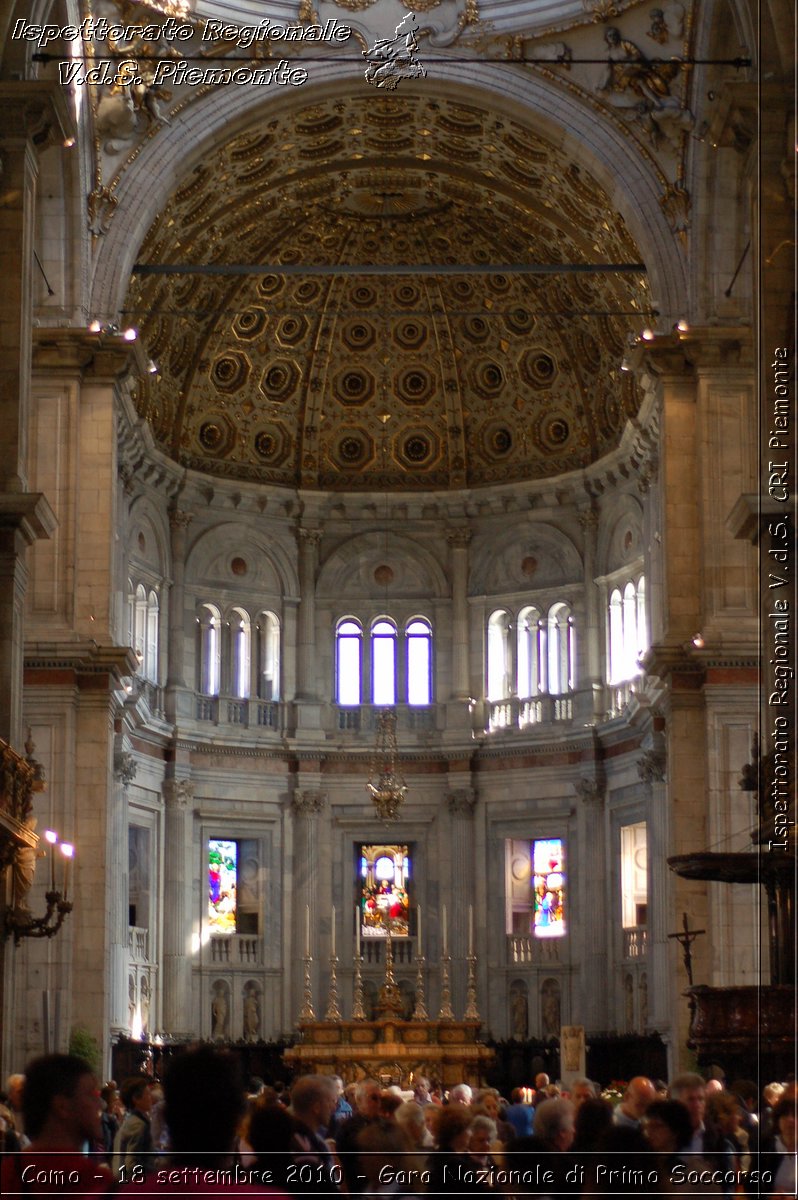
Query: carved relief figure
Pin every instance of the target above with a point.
(644, 88)
(519, 1010)
(219, 1011)
(251, 1013)
(145, 1004)
(550, 1016)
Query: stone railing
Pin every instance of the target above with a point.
(138, 944)
(526, 950)
(235, 950)
(516, 713)
(635, 942)
(373, 950)
(364, 718)
(243, 714)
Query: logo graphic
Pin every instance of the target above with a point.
(393, 59)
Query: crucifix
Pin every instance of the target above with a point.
(685, 940)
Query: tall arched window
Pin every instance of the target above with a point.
(140, 624)
(560, 650)
(530, 652)
(499, 657)
(419, 662)
(348, 659)
(268, 657)
(240, 653)
(210, 649)
(383, 662)
(628, 634)
(151, 644)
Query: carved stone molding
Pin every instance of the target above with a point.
(651, 766)
(590, 791)
(309, 537)
(125, 768)
(177, 792)
(307, 802)
(462, 802)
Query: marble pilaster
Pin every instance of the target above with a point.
(177, 795)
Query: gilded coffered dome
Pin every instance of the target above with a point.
(383, 377)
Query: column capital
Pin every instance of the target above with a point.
(125, 768)
(590, 791)
(588, 518)
(651, 766)
(177, 793)
(307, 802)
(309, 538)
(458, 539)
(34, 110)
(179, 518)
(461, 802)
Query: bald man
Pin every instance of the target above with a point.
(640, 1093)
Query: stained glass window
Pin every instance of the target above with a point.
(222, 885)
(548, 888)
(384, 881)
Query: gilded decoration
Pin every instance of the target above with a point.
(417, 380)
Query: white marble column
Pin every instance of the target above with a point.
(177, 891)
(592, 882)
(589, 636)
(459, 540)
(461, 802)
(661, 918)
(306, 624)
(179, 522)
(307, 804)
(124, 774)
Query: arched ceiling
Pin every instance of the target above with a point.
(400, 380)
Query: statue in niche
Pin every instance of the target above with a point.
(643, 992)
(629, 1004)
(144, 1004)
(251, 1014)
(219, 1011)
(131, 1001)
(519, 1010)
(550, 1016)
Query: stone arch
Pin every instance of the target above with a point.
(161, 163)
(620, 540)
(210, 559)
(349, 569)
(528, 556)
(148, 520)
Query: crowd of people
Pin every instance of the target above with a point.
(203, 1133)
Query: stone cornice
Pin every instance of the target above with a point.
(29, 513)
(98, 356)
(35, 109)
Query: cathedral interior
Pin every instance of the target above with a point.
(385, 476)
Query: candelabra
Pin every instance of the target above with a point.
(307, 1011)
(333, 1012)
(18, 919)
(358, 1011)
(420, 1010)
(446, 1013)
(21, 923)
(471, 1011)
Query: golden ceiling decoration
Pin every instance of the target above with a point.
(400, 380)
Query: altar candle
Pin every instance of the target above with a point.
(470, 930)
(418, 928)
(445, 945)
(357, 931)
(307, 931)
(67, 852)
(332, 935)
(51, 838)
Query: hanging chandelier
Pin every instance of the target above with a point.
(386, 784)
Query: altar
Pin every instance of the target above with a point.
(392, 1051)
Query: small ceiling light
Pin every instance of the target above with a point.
(130, 335)
(682, 326)
(50, 836)
(69, 142)
(625, 364)
(648, 334)
(95, 326)
(698, 641)
(152, 367)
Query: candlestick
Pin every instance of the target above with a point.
(418, 929)
(446, 1013)
(358, 1011)
(445, 946)
(307, 1012)
(332, 934)
(67, 852)
(471, 1010)
(333, 1012)
(357, 931)
(51, 837)
(420, 1010)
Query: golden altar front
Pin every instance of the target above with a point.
(392, 1050)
